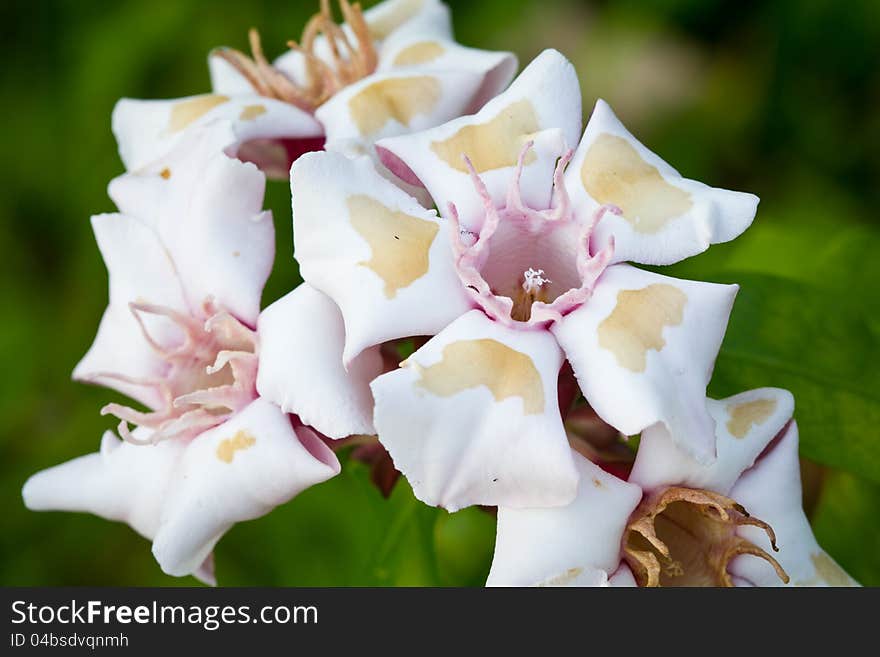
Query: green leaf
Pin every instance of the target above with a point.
(821, 346)
(464, 544)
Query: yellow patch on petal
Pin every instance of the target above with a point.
(399, 242)
(744, 416)
(187, 111)
(419, 53)
(485, 362)
(828, 572)
(165, 173)
(636, 324)
(564, 579)
(250, 112)
(240, 441)
(395, 15)
(394, 98)
(613, 172)
(492, 145)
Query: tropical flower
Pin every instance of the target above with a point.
(521, 271)
(677, 522)
(183, 335)
(385, 71)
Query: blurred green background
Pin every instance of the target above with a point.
(778, 98)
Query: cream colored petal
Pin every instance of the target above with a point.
(643, 348)
(544, 100)
(665, 217)
(661, 463)
(472, 418)
(771, 490)
(380, 256)
(574, 545)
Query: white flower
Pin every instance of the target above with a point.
(677, 522)
(522, 270)
(391, 69)
(183, 335)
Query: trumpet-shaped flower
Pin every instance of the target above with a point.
(522, 270)
(183, 335)
(385, 71)
(678, 522)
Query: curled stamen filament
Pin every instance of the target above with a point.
(193, 394)
(349, 62)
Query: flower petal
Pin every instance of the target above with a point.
(207, 210)
(423, 52)
(383, 258)
(567, 545)
(665, 218)
(545, 98)
(404, 16)
(225, 78)
(301, 342)
(643, 347)
(392, 103)
(148, 129)
(140, 271)
(771, 491)
(238, 471)
(623, 577)
(122, 482)
(472, 418)
(744, 426)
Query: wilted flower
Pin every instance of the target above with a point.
(677, 522)
(519, 273)
(188, 256)
(385, 71)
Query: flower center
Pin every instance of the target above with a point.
(687, 537)
(345, 62)
(526, 265)
(210, 372)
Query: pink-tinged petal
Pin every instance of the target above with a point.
(544, 98)
(205, 574)
(665, 217)
(623, 577)
(744, 426)
(771, 491)
(643, 348)
(207, 210)
(140, 271)
(148, 129)
(121, 482)
(392, 103)
(566, 546)
(301, 341)
(472, 418)
(377, 253)
(412, 51)
(239, 471)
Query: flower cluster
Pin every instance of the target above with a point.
(473, 227)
